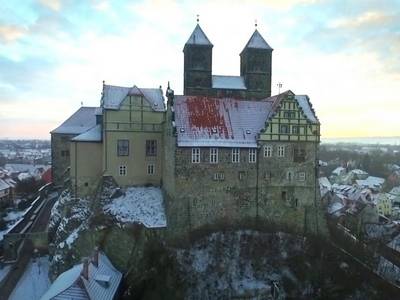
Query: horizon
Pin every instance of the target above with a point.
(55, 54)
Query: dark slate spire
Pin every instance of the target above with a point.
(198, 37)
(257, 42)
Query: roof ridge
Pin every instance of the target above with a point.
(202, 37)
(257, 41)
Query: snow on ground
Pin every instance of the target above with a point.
(139, 205)
(34, 282)
(239, 264)
(12, 218)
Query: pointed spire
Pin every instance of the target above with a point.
(198, 37)
(257, 41)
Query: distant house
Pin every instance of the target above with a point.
(47, 176)
(95, 279)
(384, 204)
(324, 185)
(35, 171)
(373, 183)
(338, 175)
(339, 171)
(5, 192)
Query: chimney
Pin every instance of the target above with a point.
(85, 269)
(95, 258)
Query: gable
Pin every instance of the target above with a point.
(293, 120)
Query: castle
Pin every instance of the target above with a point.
(224, 150)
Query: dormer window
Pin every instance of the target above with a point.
(103, 280)
(214, 130)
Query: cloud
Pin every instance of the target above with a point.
(369, 19)
(52, 4)
(11, 33)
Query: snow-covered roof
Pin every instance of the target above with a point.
(28, 168)
(114, 95)
(371, 182)
(228, 82)
(82, 120)
(198, 37)
(92, 135)
(72, 285)
(257, 41)
(306, 107)
(338, 171)
(335, 207)
(358, 172)
(143, 205)
(219, 122)
(395, 191)
(4, 185)
(323, 181)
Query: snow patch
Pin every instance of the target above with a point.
(139, 205)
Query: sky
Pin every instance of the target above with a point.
(55, 54)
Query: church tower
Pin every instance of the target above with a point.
(197, 64)
(256, 66)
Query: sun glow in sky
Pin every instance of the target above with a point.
(54, 54)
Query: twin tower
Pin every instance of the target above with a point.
(254, 81)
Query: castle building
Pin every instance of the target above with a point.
(224, 151)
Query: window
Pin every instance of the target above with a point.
(289, 176)
(213, 155)
(219, 176)
(301, 176)
(151, 148)
(195, 155)
(235, 155)
(267, 151)
(65, 153)
(150, 169)
(252, 155)
(295, 129)
(289, 115)
(122, 171)
(284, 129)
(281, 151)
(123, 147)
(241, 175)
(299, 154)
(283, 196)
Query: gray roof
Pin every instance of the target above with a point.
(4, 185)
(198, 37)
(257, 42)
(114, 95)
(92, 135)
(82, 120)
(71, 285)
(228, 82)
(219, 122)
(306, 107)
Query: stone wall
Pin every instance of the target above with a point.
(60, 156)
(262, 191)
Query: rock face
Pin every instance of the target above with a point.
(221, 263)
(241, 264)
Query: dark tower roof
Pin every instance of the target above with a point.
(198, 37)
(257, 42)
